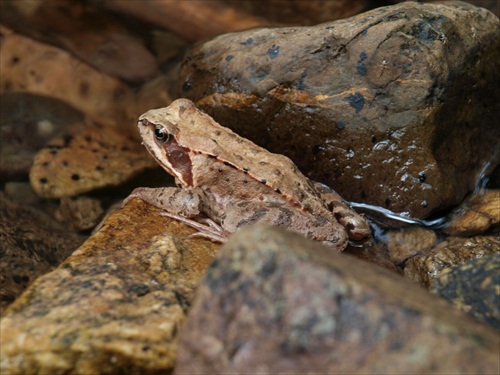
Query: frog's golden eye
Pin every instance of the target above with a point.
(161, 134)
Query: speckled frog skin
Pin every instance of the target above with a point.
(233, 182)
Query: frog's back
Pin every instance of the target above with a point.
(274, 170)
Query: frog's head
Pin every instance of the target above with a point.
(159, 133)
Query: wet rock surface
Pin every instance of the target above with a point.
(453, 251)
(114, 306)
(373, 105)
(473, 288)
(480, 212)
(273, 302)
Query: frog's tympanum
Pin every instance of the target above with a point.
(226, 181)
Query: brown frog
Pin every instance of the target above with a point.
(227, 181)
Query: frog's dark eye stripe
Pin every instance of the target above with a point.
(161, 134)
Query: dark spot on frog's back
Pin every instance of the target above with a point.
(182, 109)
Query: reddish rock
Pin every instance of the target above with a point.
(274, 302)
(397, 107)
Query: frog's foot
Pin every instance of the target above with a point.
(206, 229)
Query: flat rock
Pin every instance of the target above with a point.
(114, 306)
(274, 302)
(86, 157)
(386, 107)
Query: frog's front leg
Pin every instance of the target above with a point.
(185, 205)
(356, 225)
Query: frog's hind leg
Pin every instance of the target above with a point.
(210, 230)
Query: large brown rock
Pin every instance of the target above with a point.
(397, 107)
(274, 302)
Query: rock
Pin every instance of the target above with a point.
(407, 242)
(37, 68)
(82, 213)
(454, 251)
(114, 306)
(97, 38)
(473, 288)
(31, 244)
(379, 106)
(491, 5)
(476, 215)
(274, 302)
(27, 122)
(86, 157)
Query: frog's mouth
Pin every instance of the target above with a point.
(171, 156)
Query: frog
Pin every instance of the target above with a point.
(225, 182)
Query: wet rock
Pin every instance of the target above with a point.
(274, 302)
(98, 38)
(454, 251)
(27, 122)
(476, 215)
(31, 244)
(473, 288)
(407, 242)
(379, 106)
(114, 306)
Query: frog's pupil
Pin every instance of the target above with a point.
(161, 135)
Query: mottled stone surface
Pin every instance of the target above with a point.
(454, 251)
(473, 288)
(87, 157)
(275, 302)
(114, 306)
(397, 106)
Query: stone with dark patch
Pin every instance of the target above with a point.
(429, 100)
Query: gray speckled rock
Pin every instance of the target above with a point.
(274, 302)
(473, 287)
(396, 107)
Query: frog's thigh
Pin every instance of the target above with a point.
(311, 226)
(356, 225)
(184, 202)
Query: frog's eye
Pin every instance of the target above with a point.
(161, 134)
